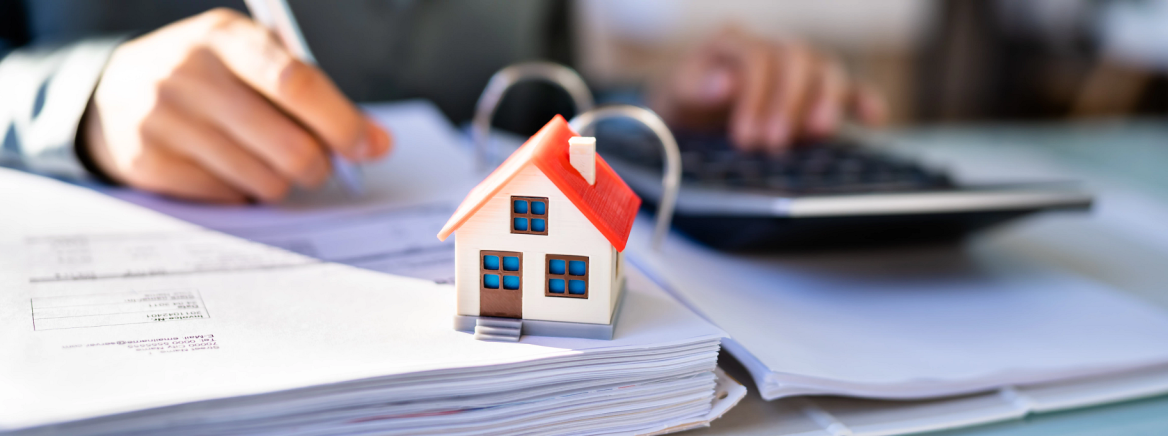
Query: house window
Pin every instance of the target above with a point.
(529, 215)
(500, 270)
(566, 276)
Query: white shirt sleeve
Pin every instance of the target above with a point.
(43, 95)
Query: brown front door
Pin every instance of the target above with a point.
(501, 284)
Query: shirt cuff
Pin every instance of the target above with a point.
(43, 96)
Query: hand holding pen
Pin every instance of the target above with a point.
(215, 108)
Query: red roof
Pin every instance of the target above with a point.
(609, 204)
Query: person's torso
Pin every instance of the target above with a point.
(375, 50)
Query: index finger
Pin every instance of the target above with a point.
(254, 55)
(753, 63)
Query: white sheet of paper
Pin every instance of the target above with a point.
(130, 309)
(390, 228)
(907, 324)
(1033, 301)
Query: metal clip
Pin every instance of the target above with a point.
(487, 154)
(570, 81)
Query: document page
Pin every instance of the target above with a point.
(906, 322)
(130, 309)
(911, 323)
(390, 228)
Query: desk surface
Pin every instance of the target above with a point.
(1111, 156)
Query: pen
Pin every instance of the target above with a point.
(277, 16)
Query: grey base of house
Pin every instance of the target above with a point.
(536, 327)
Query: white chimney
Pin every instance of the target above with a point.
(582, 154)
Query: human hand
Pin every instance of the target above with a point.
(765, 94)
(213, 108)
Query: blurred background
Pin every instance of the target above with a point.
(935, 60)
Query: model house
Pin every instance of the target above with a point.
(539, 242)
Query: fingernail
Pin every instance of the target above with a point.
(824, 120)
(374, 144)
(745, 132)
(364, 148)
(380, 139)
(716, 85)
(778, 132)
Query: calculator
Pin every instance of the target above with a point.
(822, 194)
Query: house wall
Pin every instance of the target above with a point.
(569, 232)
(618, 277)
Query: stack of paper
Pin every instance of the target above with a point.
(119, 320)
(1034, 317)
(130, 321)
(910, 323)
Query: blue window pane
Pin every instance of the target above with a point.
(538, 207)
(576, 268)
(556, 286)
(576, 287)
(510, 263)
(510, 282)
(491, 281)
(520, 223)
(490, 262)
(520, 206)
(556, 266)
(538, 225)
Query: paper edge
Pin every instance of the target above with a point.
(734, 392)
